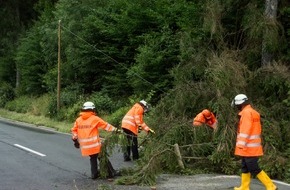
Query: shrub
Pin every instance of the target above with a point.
(39, 106)
(116, 117)
(21, 104)
(103, 103)
(6, 93)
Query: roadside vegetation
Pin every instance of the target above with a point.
(181, 56)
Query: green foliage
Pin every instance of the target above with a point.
(72, 112)
(30, 64)
(20, 105)
(172, 117)
(107, 148)
(116, 117)
(274, 165)
(287, 165)
(18, 16)
(37, 106)
(103, 103)
(285, 18)
(6, 93)
(273, 82)
(52, 107)
(182, 56)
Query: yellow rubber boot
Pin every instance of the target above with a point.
(264, 178)
(245, 182)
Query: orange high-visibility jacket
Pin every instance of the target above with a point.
(86, 129)
(200, 120)
(249, 133)
(134, 118)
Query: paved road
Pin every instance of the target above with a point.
(40, 159)
(35, 158)
(209, 182)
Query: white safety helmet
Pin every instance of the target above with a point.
(88, 106)
(145, 104)
(239, 99)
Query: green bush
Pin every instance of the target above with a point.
(6, 93)
(116, 117)
(34, 105)
(71, 113)
(104, 104)
(70, 104)
(21, 104)
(39, 106)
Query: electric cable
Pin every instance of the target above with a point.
(111, 58)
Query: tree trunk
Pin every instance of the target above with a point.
(270, 14)
(17, 15)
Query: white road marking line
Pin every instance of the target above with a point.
(275, 181)
(282, 183)
(29, 150)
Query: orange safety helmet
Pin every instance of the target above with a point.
(206, 113)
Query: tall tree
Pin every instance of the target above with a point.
(32, 56)
(270, 17)
(18, 16)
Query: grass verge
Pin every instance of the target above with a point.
(37, 120)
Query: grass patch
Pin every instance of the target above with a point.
(61, 126)
(37, 120)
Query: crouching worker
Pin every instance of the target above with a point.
(85, 134)
(205, 117)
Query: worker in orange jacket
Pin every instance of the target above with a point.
(205, 117)
(132, 123)
(85, 134)
(249, 144)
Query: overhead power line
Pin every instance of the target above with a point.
(111, 58)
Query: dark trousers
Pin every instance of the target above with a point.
(250, 164)
(94, 166)
(132, 145)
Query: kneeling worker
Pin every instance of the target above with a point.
(205, 117)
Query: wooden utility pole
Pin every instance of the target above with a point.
(58, 69)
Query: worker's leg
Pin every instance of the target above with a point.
(127, 151)
(111, 171)
(245, 177)
(94, 166)
(264, 178)
(245, 182)
(255, 170)
(135, 151)
(253, 167)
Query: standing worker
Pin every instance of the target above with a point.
(85, 134)
(131, 124)
(205, 117)
(249, 144)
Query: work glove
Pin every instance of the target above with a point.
(151, 131)
(116, 130)
(140, 129)
(76, 143)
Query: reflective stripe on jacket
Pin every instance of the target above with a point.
(249, 141)
(134, 118)
(86, 128)
(200, 120)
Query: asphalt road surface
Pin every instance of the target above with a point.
(36, 158)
